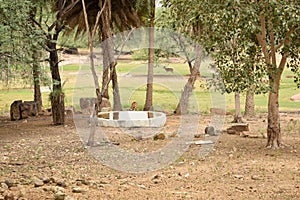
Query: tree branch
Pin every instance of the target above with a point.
(285, 38)
(98, 18)
(272, 41)
(262, 39)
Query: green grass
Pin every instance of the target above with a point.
(166, 93)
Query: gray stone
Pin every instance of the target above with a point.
(4, 186)
(9, 182)
(38, 182)
(9, 196)
(61, 183)
(59, 195)
(78, 190)
(210, 130)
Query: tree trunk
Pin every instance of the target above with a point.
(56, 96)
(249, 105)
(149, 100)
(36, 81)
(273, 131)
(116, 92)
(182, 106)
(237, 115)
(108, 58)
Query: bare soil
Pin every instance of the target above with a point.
(42, 161)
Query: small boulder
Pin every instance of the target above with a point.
(159, 136)
(296, 98)
(210, 130)
(59, 195)
(38, 182)
(238, 128)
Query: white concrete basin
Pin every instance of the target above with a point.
(131, 119)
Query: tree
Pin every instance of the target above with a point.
(117, 16)
(278, 34)
(91, 37)
(51, 33)
(267, 31)
(177, 17)
(151, 55)
(21, 44)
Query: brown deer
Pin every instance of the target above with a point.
(169, 69)
(134, 106)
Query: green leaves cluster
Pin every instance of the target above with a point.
(228, 31)
(18, 40)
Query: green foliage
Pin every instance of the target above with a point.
(19, 39)
(228, 30)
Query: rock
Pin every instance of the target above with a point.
(61, 183)
(210, 130)
(9, 196)
(159, 136)
(28, 108)
(197, 135)
(59, 195)
(142, 186)
(15, 113)
(78, 190)
(296, 98)
(238, 128)
(9, 182)
(4, 186)
(69, 198)
(231, 132)
(38, 182)
(238, 176)
(255, 177)
(46, 180)
(244, 134)
(54, 189)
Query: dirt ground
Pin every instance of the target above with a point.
(42, 161)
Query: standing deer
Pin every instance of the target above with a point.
(168, 69)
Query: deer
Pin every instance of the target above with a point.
(168, 69)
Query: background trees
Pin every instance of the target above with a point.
(248, 40)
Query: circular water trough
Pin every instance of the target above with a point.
(131, 119)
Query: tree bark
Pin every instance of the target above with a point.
(237, 115)
(249, 105)
(36, 82)
(149, 100)
(108, 58)
(182, 106)
(56, 96)
(274, 131)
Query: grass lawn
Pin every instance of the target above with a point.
(166, 90)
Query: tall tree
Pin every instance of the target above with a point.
(21, 43)
(117, 15)
(52, 32)
(272, 27)
(151, 54)
(278, 34)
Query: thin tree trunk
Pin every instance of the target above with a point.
(56, 96)
(273, 131)
(36, 81)
(183, 104)
(249, 105)
(108, 58)
(237, 115)
(149, 99)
